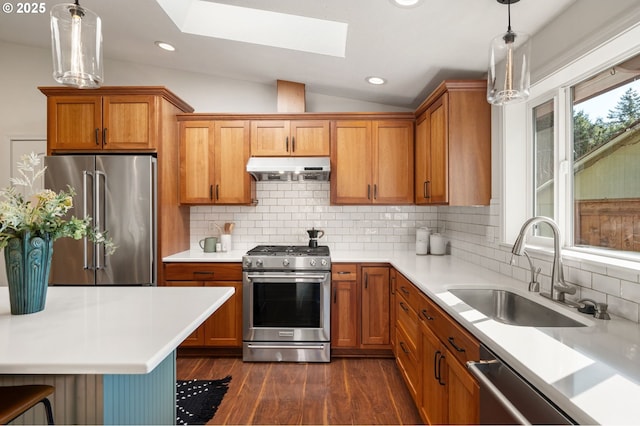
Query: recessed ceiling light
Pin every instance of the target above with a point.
(165, 46)
(406, 3)
(375, 80)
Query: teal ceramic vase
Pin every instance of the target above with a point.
(28, 262)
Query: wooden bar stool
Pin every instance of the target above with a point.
(15, 400)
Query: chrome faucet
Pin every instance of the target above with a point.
(558, 287)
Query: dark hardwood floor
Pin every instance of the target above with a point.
(345, 391)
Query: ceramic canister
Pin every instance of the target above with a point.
(422, 240)
(438, 244)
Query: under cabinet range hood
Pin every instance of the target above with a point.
(289, 168)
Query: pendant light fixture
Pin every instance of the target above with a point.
(508, 79)
(76, 42)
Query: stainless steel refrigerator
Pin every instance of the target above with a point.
(119, 193)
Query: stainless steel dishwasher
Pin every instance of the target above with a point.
(506, 398)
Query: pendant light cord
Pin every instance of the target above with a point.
(508, 12)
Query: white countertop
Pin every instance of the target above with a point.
(592, 372)
(103, 330)
(200, 256)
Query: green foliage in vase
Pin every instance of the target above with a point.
(42, 213)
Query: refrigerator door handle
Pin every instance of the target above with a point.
(85, 208)
(100, 226)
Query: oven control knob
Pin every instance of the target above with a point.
(259, 262)
(285, 262)
(323, 262)
(312, 262)
(247, 262)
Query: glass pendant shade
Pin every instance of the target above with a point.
(508, 79)
(76, 42)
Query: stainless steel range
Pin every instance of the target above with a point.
(286, 302)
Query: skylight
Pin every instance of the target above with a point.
(256, 26)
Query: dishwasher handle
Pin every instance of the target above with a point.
(489, 386)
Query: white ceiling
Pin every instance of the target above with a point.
(413, 48)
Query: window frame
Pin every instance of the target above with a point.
(514, 118)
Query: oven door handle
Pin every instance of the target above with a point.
(319, 277)
(319, 347)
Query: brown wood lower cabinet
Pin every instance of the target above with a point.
(360, 308)
(431, 350)
(223, 329)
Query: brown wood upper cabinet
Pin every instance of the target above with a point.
(372, 162)
(453, 146)
(300, 138)
(213, 158)
(111, 118)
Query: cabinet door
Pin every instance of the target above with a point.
(74, 123)
(344, 314)
(196, 162)
(129, 122)
(270, 138)
(224, 327)
(309, 138)
(422, 160)
(231, 153)
(438, 185)
(433, 407)
(197, 337)
(392, 162)
(351, 162)
(375, 306)
(463, 394)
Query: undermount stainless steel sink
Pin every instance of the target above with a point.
(511, 308)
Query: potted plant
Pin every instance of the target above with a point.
(29, 224)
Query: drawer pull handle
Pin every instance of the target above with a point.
(404, 348)
(426, 315)
(203, 273)
(344, 272)
(440, 369)
(456, 347)
(404, 290)
(404, 307)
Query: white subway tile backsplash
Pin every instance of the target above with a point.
(605, 284)
(286, 210)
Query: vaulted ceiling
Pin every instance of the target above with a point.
(412, 48)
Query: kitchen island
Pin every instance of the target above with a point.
(590, 372)
(109, 351)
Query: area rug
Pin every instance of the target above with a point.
(197, 400)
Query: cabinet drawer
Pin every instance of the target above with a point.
(209, 271)
(343, 272)
(407, 360)
(461, 344)
(433, 317)
(407, 290)
(409, 322)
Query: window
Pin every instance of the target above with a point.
(606, 158)
(602, 144)
(543, 146)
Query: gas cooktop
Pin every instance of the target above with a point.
(289, 251)
(287, 258)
